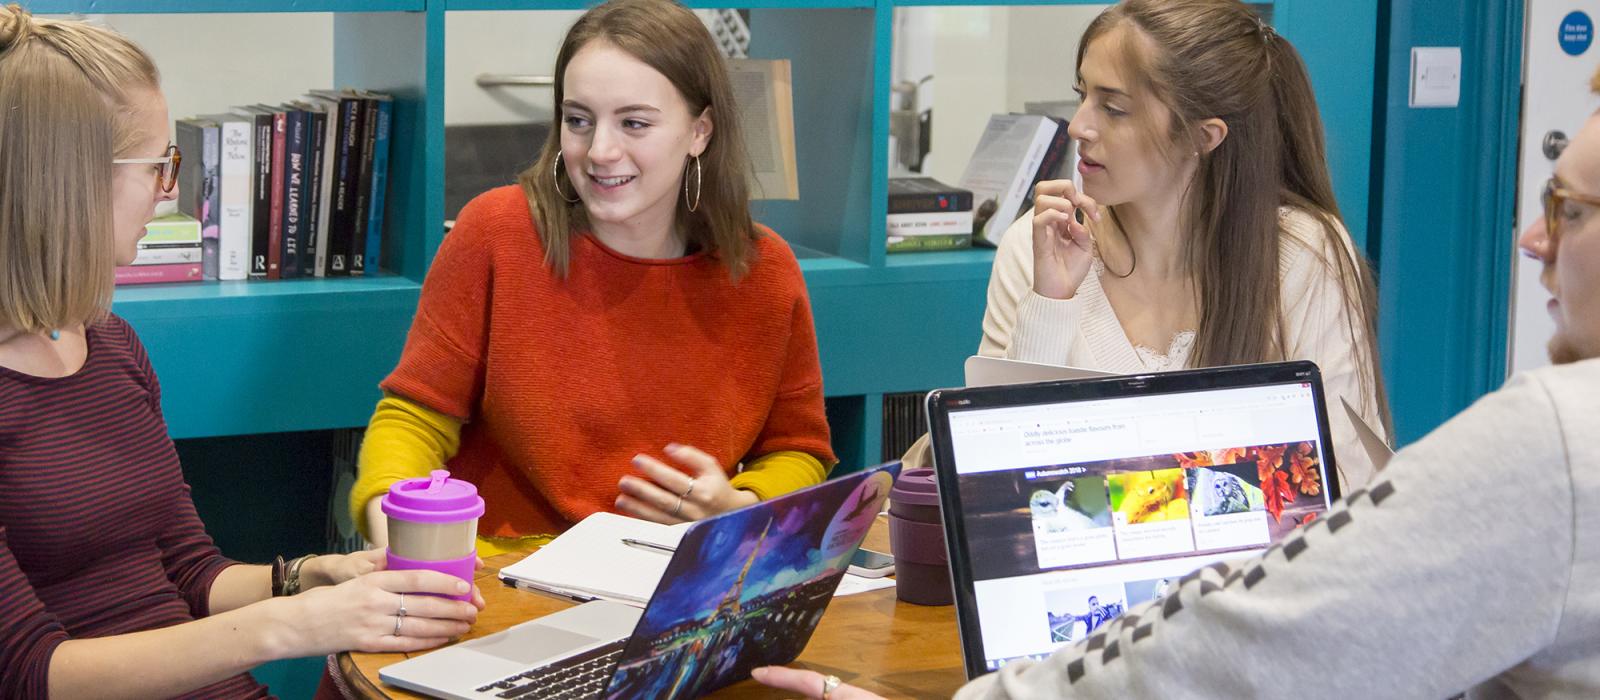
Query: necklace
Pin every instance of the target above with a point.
(55, 334)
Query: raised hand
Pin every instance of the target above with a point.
(1063, 248)
(670, 495)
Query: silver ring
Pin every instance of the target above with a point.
(402, 611)
(829, 684)
(689, 490)
(679, 507)
(398, 619)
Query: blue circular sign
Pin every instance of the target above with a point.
(1577, 33)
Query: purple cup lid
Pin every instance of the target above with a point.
(432, 499)
(916, 487)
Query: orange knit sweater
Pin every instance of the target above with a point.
(561, 381)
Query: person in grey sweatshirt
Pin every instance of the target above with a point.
(1468, 565)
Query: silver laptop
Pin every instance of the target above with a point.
(982, 370)
(1068, 503)
(743, 589)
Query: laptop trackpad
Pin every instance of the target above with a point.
(529, 643)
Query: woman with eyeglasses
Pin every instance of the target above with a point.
(109, 585)
(614, 332)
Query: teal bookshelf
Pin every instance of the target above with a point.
(269, 357)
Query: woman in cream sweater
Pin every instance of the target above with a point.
(1204, 231)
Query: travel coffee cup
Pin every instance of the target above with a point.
(433, 524)
(916, 535)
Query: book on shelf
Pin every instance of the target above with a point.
(380, 181)
(314, 225)
(170, 251)
(296, 129)
(261, 191)
(346, 153)
(910, 195)
(942, 223)
(199, 193)
(235, 187)
(764, 92)
(1003, 169)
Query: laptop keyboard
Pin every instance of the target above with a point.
(585, 675)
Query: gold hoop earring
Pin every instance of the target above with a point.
(555, 179)
(698, 189)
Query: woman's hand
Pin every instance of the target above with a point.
(334, 569)
(809, 683)
(382, 611)
(669, 495)
(1063, 248)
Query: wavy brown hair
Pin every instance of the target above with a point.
(669, 38)
(67, 96)
(1209, 59)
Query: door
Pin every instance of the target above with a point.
(1559, 59)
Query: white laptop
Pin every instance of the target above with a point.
(997, 371)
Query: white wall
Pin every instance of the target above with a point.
(500, 42)
(985, 60)
(210, 63)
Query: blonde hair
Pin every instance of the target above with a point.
(668, 37)
(66, 110)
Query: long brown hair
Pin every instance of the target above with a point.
(669, 38)
(67, 96)
(1218, 59)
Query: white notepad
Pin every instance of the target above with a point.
(590, 561)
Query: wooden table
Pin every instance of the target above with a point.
(873, 640)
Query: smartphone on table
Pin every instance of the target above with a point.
(871, 564)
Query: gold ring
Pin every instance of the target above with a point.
(829, 684)
(689, 490)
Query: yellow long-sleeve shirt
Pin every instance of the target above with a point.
(405, 440)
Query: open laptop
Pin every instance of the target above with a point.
(743, 589)
(1068, 503)
(982, 370)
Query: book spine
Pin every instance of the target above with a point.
(380, 185)
(927, 224)
(261, 207)
(211, 205)
(317, 140)
(280, 134)
(358, 232)
(234, 200)
(197, 183)
(151, 274)
(1050, 166)
(349, 171)
(294, 191)
(956, 200)
(330, 180)
(170, 255)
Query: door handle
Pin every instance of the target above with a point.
(1554, 143)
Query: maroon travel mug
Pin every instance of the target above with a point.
(916, 534)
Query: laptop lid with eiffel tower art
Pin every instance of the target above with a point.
(746, 588)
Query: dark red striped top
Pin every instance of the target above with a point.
(98, 535)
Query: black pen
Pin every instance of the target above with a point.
(650, 546)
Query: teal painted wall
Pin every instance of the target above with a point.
(1444, 191)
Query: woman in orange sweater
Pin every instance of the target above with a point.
(614, 332)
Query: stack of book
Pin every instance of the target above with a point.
(925, 214)
(169, 252)
(293, 190)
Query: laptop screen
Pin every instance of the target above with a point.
(1080, 500)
